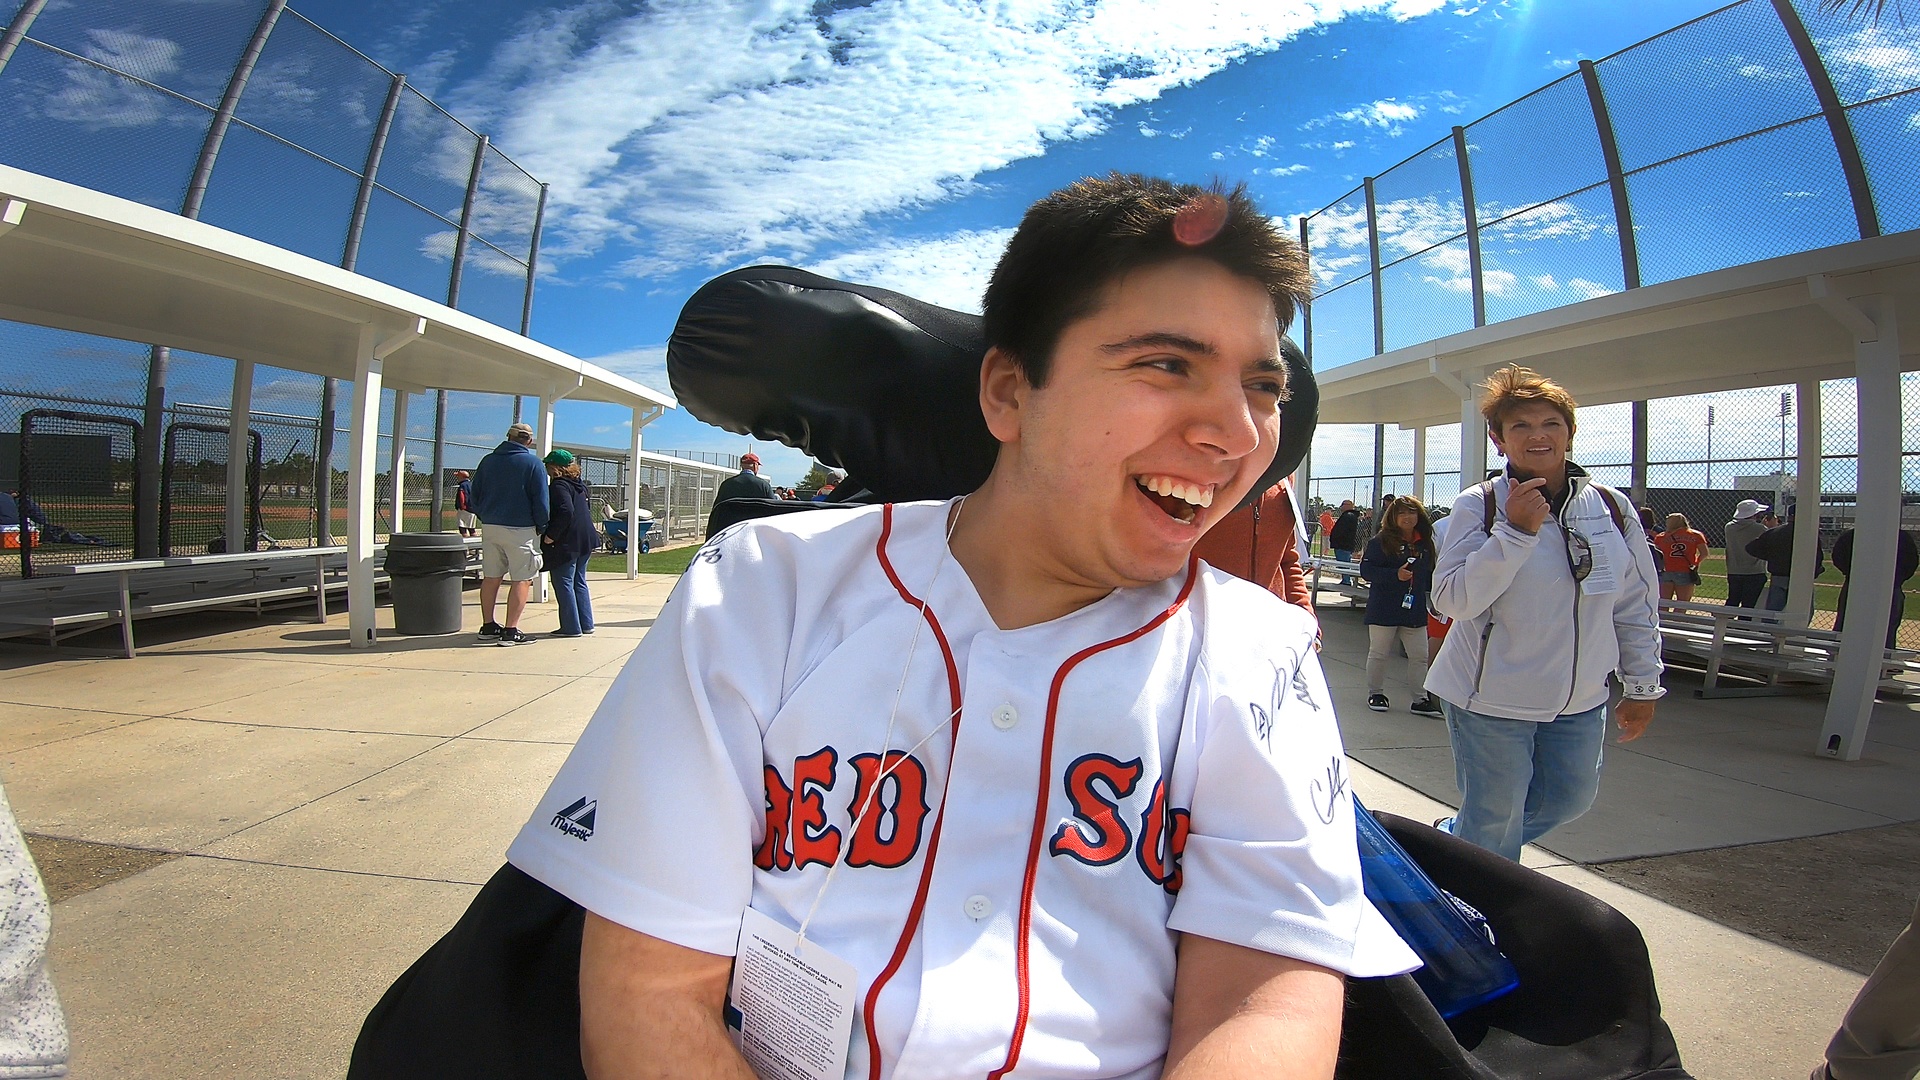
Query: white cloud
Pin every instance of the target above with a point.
(1589, 289)
(1388, 114)
(706, 132)
(646, 365)
(950, 271)
(1874, 60)
(97, 99)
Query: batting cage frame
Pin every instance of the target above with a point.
(171, 484)
(76, 468)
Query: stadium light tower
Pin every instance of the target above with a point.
(1780, 474)
(1709, 447)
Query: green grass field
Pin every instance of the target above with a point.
(670, 561)
(1826, 589)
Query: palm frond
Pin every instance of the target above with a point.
(1872, 10)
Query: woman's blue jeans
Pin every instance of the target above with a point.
(570, 592)
(1520, 779)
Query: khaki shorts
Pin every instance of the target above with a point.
(464, 519)
(510, 552)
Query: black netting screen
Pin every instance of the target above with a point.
(193, 490)
(72, 484)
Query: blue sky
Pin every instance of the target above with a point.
(896, 142)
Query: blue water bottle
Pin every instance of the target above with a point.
(1462, 967)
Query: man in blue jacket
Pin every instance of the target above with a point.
(510, 497)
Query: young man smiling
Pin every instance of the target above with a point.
(1066, 800)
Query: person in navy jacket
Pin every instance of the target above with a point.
(570, 536)
(1398, 566)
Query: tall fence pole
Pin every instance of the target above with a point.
(533, 265)
(229, 102)
(17, 28)
(1616, 177)
(437, 501)
(349, 260)
(1865, 214)
(1473, 227)
(1306, 309)
(146, 541)
(533, 271)
(1373, 268)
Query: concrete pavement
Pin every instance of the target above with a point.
(337, 809)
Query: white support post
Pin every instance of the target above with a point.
(665, 516)
(633, 492)
(1471, 439)
(239, 453)
(1856, 673)
(1806, 486)
(363, 459)
(1420, 464)
(397, 463)
(363, 452)
(1473, 429)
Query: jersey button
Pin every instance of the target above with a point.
(1005, 717)
(977, 907)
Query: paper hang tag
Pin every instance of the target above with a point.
(1601, 580)
(791, 1003)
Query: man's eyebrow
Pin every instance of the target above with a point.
(1267, 364)
(1161, 339)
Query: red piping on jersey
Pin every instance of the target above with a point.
(1040, 810)
(933, 844)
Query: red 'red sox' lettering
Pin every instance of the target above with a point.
(1163, 836)
(813, 775)
(774, 851)
(889, 836)
(902, 815)
(1099, 837)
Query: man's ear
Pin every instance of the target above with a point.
(1004, 392)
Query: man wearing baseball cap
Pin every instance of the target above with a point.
(463, 516)
(1746, 574)
(510, 496)
(745, 484)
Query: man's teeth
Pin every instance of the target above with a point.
(1189, 493)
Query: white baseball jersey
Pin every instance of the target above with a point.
(1163, 761)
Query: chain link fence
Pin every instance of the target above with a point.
(1711, 138)
(312, 147)
(1705, 453)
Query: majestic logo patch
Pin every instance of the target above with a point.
(577, 820)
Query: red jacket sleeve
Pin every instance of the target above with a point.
(1292, 576)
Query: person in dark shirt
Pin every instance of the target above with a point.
(1906, 559)
(1775, 547)
(745, 484)
(566, 542)
(1345, 535)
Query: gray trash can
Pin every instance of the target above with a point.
(424, 573)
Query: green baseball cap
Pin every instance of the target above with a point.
(560, 458)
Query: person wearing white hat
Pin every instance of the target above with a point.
(1746, 574)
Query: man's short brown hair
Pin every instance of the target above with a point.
(1074, 243)
(1513, 386)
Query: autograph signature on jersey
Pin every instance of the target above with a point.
(1327, 790)
(1286, 679)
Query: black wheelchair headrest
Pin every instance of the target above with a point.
(879, 384)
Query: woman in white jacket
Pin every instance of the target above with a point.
(1552, 591)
